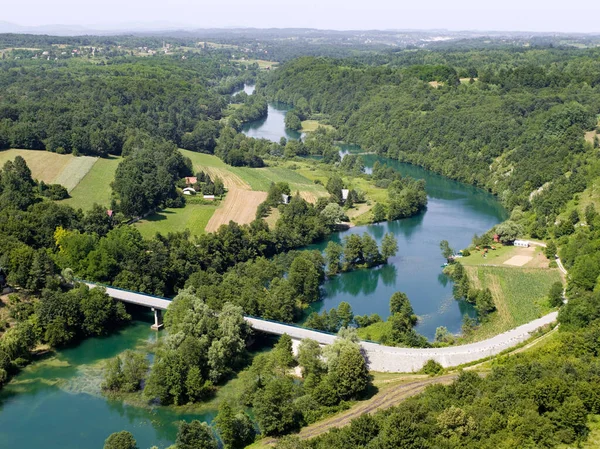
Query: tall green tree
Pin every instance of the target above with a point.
(120, 440)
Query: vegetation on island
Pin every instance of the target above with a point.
(517, 127)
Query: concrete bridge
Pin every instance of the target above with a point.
(379, 357)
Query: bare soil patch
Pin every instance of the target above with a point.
(239, 206)
(518, 261)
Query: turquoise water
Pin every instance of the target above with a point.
(57, 404)
(455, 212)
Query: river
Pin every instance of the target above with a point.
(56, 403)
(455, 212)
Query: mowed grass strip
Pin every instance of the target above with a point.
(52, 168)
(75, 171)
(193, 217)
(520, 295)
(95, 185)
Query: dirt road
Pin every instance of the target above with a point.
(388, 397)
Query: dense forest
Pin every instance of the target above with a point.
(519, 126)
(509, 120)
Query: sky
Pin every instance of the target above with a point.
(501, 15)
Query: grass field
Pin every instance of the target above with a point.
(312, 125)
(95, 185)
(257, 178)
(520, 296)
(52, 168)
(193, 217)
(504, 253)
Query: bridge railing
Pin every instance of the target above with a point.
(99, 284)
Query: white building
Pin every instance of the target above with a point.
(521, 243)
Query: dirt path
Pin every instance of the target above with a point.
(239, 206)
(387, 398)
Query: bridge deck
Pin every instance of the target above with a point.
(379, 357)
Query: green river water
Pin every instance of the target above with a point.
(56, 403)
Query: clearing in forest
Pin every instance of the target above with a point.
(193, 217)
(94, 187)
(52, 168)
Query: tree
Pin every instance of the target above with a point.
(333, 214)
(509, 231)
(485, 302)
(195, 435)
(310, 357)
(134, 368)
(350, 374)
(113, 375)
(274, 408)
(304, 279)
(555, 295)
(389, 246)
(442, 334)
(236, 431)
(550, 250)
(370, 251)
(225, 424)
(447, 251)
(399, 303)
(379, 213)
(353, 254)
(282, 352)
(333, 254)
(590, 213)
(345, 315)
(292, 121)
(120, 440)
(334, 187)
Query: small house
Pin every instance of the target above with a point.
(345, 194)
(521, 243)
(285, 199)
(189, 191)
(190, 180)
(209, 197)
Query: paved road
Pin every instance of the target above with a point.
(379, 357)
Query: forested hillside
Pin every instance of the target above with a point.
(517, 124)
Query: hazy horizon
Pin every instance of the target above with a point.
(512, 15)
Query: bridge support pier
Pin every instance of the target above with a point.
(158, 323)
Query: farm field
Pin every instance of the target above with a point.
(95, 185)
(193, 217)
(255, 178)
(52, 168)
(239, 206)
(502, 255)
(520, 295)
